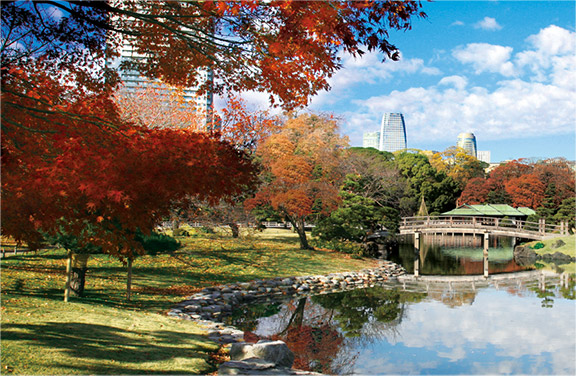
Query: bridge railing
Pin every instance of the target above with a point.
(482, 223)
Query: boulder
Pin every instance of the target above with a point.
(524, 255)
(275, 352)
(557, 244)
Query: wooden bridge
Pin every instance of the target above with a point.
(482, 225)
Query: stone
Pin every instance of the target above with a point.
(276, 352)
(244, 367)
(557, 244)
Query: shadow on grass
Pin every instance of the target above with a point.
(96, 346)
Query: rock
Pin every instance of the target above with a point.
(244, 367)
(524, 255)
(557, 244)
(271, 351)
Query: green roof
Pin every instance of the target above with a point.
(491, 210)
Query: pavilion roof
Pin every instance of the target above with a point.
(499, 210)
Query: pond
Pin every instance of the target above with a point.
(517, 323)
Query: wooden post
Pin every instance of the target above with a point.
(68, 276)
(129, 280)
(485, 253)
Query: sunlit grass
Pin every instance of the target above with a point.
(102, 333)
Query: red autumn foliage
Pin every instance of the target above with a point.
(100, 173)
(524, 183)
(526, 190)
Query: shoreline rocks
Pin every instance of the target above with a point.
(212, 305)
(524, 255)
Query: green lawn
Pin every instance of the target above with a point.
(103, 334)
(569, 248)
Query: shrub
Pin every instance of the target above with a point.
(343, 246)
(180, 232)
(538, 245)
(157, 243)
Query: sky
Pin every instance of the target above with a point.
(503, 70)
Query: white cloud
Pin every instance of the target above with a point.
(488, 23)
(458, 82)
(486, 57)
(554, 40)
(457, 23)
(515, 109)
(369, 69)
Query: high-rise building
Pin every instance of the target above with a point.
(371, 140)
(134, 81)
(392, 133)
(467, 141)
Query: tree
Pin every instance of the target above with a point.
(475, 192)
(151, 106)
(301, 170)
(439, 190)
(287, 49)
(558, 178)
(370, 197)
(526, 190)
(104, 187)
(458, 164)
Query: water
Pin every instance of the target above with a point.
(517, 323)
(459, 255)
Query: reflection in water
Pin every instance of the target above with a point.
(457, 255)
(520, 326)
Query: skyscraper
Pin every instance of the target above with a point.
(467, 141)
(392, 133)
(134, 81)
(371, 140)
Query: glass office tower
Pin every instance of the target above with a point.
(467, 141)
(392, 133)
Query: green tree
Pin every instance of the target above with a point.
(439, 190)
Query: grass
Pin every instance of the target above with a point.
(101, 333)
(569, 248)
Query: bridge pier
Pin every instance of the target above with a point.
(416, 254)
(485, 253)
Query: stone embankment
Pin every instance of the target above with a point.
(213, 304)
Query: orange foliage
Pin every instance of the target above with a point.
(301, 166)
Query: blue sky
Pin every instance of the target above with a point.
(504, 70)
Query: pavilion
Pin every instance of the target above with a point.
(490, 210)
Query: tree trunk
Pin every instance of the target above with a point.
(297, 317)
(235, 229)
(299, 227)
(79, 266)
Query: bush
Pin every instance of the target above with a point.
(180, 232)
(538, 245)
(342, 246)
(157, 243)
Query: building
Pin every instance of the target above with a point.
(371, 140)
(134, 81)
(484, 156)
(467, 141)
(392, 133)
